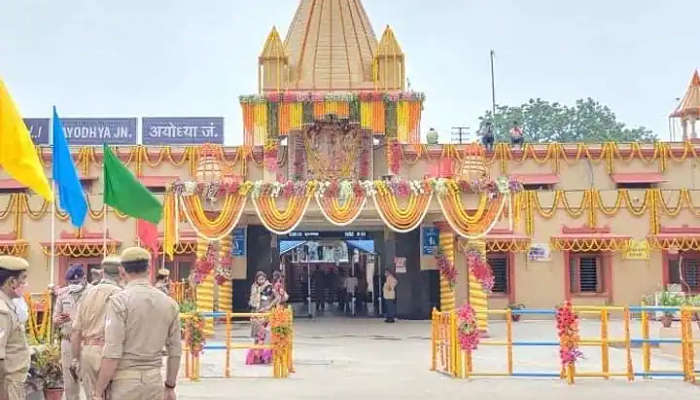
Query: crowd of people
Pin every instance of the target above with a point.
(113, 331)
(488, 137)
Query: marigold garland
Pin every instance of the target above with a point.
(341, 214)
(401, 218)
(283, 222)
(223, 224)
(39, 333)
(568, 331)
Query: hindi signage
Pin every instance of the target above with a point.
(191, 130)
(96, 131)
(637, 250)
(430, 240)
(38, 129)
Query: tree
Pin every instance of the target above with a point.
(587, 121)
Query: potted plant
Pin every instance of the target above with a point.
(518, 306)
(46, 362)
(668, 299)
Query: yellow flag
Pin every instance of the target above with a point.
(170, 221)
(18, 155)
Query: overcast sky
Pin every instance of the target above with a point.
(194, 58)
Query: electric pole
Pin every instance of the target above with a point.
(460, 134)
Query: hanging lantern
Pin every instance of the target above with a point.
(473, 166)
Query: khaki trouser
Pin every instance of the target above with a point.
(12, 388)
(90, 359)
(137, 385)
(70, 386)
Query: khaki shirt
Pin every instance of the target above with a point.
(13, 342)
(163, 286)
(90, 317)
(141, 320)
(390, 288)
(67, 303)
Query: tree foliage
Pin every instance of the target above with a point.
(587, 121)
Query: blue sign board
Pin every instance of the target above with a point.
(38, 129)
(96, 131)
(194, 130)
(238, 247)
(431, 240)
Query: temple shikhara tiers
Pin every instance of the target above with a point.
(333, 177)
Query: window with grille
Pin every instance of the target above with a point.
(499, 265)
(690, 271)
(586, 273)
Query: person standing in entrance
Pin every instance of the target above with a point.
(163, 281)
(14, 352)
(88, 334)
(140, 322)
(64, 313)
(389, 292)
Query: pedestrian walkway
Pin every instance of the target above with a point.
(344, 358)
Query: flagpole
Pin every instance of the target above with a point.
(53, 232)
(104, 231)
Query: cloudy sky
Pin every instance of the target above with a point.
(194, 58)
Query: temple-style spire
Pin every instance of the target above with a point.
(331, 46)
(689, 108)
(273, 64)
(389, 63)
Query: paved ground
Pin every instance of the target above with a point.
(367, 359)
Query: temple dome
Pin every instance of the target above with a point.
(331, 46)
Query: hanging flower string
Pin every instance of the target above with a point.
(480, 269)
(467, 330)
(205, 265)
(567, 326)
(447, 270)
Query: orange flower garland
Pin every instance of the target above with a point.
(222, 225)
(341, 214)
(284, 221)
(467, 225)
(401, 218)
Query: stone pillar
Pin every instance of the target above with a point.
(447, 247)
(684, 127)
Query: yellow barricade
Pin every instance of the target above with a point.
(281, 322)
(450, 359)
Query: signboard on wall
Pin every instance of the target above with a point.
(637, 250)
(400, 263)
(188, 130)
(38, 129)
(539, 252)
(96, 131)
(430, 239)
(238, 245)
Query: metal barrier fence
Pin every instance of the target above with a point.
(450, 359)
(282, 343)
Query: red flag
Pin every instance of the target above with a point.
(147, 233)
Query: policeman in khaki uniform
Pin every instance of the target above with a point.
(88, 335)
(163, 281)
(14, 352)
(140, 322)
(64, 313)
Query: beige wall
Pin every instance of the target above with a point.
(536, 284)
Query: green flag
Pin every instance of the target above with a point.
(125, 193)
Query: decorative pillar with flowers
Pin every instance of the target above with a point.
(204, 281)
(480, 281)
(446, 261)
(224, 275)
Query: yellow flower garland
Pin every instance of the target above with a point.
(397, 217)
(341, 214)
(220, 226)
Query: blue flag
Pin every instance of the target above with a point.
(70, 190)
